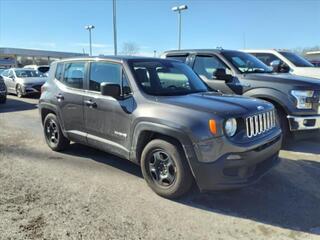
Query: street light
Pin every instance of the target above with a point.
(89, 28)
(179, 9)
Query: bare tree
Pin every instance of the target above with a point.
(130, 48)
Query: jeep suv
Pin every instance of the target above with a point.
(296, 98)
(159, 114)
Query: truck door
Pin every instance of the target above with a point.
(209, 69)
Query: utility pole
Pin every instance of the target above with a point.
(115, 27)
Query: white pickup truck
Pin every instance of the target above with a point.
(286, 61)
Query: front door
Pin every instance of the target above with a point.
(206, 66)
(107, 119)
(9, 80)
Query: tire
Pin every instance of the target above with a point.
(284, 125)
(19, 91)
(3, 100)
(53, 134)
(178, 168)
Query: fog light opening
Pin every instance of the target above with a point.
(234, 157)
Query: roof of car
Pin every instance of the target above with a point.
(112, 58)
(184, 51)
(265, 50)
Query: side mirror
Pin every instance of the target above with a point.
(110, 89)
(275, 64)
(220, 74)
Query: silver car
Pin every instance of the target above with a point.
(22, 81)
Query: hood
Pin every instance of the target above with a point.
(33, 80)
(285, 78)
(308, 72)
(218, 104)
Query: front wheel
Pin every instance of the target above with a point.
(165, 168)
(53, 134)
(19, 91)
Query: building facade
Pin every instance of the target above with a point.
(17, 57)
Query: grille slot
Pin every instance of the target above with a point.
(260, 123)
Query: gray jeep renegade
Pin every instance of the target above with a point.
(159, 114)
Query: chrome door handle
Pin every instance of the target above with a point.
(90, 103)
(60, 97)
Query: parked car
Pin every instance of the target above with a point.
(284, 61)
(22, 81)
(42, 68)
(159, 114)
(296, 98)
(315, 63)
(3, 91)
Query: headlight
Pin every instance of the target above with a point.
(302, 97)
(230, 127)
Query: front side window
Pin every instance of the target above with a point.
(246, 63)
(104, 72)
(297, 60)
(206, 66)
(166, 78)
(266, 58)
(74, 74)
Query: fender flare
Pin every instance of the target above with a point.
(272, 95)
(159, 128)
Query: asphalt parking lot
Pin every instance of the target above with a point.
(87, 194)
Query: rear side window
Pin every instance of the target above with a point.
(181, 58)
(59, 69)
(104, 72)
(74, 74)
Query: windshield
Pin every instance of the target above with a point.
(25, 73)
(166, 78)
(296, 60)
(246, 63)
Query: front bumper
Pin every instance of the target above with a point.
(31, 89)
(299, 123)
(238, 168)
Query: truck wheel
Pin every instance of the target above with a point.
(19, 91)
(53, 134)
(165, 169)
(284, 125)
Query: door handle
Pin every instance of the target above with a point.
(90, 103)
(60, 97)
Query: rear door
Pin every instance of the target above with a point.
(108, 120)
(70, 78)
(9, 80)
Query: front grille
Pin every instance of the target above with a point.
(37, 87)
(260, 123)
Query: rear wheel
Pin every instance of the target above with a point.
(19, 91)
(53, 134)
(165, 168)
